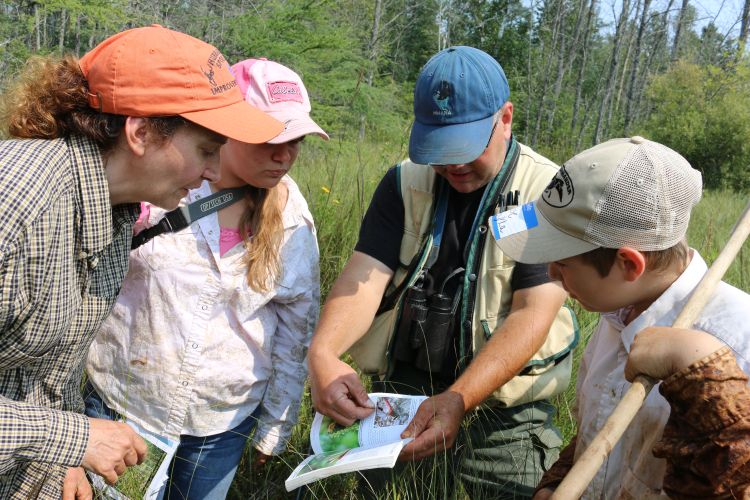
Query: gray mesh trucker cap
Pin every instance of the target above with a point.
(624, 192)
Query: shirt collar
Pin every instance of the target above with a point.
(664, 310)
(289, 218)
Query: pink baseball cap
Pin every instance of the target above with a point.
(279, 91)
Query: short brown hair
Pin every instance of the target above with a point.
(602, 259)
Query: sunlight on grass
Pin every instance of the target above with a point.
(338, 180)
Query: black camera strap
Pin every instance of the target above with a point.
(182, 217)
(438, 222)
(441, 212)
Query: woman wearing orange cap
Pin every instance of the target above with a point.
(137, 118)
(208, 339)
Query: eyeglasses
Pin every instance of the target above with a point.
(492, 133)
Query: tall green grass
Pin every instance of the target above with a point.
(338, 180)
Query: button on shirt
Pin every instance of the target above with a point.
(631, 470)
(63, 255)
(191, 349)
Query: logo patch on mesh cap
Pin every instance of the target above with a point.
(282, 91)
(559, 193)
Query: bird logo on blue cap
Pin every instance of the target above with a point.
(442, 94)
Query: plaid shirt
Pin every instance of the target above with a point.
(63, 255)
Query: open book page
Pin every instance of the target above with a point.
(146, 481)
(392, 414)
(370, 443)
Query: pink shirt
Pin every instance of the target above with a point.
(228, 238)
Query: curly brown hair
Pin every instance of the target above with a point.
(50, 100)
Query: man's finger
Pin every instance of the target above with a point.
(358, 393)
(431, 441)
(350, 409)
(418, 423)
(422, 447)
(339, 418)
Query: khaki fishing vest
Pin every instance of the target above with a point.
(486, 291)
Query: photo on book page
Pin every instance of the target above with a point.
(392, 414)
(146, 481)
(372, 442)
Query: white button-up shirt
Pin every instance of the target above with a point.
(191, 349)
(631, 470)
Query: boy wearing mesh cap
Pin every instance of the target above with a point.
(611, 224)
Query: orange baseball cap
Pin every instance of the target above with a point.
(155, 71)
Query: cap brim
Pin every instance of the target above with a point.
(296, 127)
(239, 121)
(539, 244)
(449, 144)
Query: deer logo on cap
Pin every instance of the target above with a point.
(559, 193)
(210, 75)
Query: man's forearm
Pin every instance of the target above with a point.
(351, 305)
(512, 344)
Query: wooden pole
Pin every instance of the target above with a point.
(585, 468)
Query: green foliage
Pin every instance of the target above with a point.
(704, 113)
(312, 38)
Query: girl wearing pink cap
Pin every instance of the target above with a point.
(208, 339)
(90, 139)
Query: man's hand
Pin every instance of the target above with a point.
(76, 486)
(660, 351)
(112, 448)
(434, 427)
(337, 391)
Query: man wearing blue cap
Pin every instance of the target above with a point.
(429, 307)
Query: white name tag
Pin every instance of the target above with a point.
(514, 221)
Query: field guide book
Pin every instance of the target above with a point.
(372, 442)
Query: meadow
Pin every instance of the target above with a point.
(338, 179)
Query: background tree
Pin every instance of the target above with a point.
(577, 75)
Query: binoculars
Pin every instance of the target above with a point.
(425, 332)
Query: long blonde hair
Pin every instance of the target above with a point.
(262, 218)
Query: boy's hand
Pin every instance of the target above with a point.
(660, 351)
(543, 494)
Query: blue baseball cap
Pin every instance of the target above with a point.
(457, 94)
